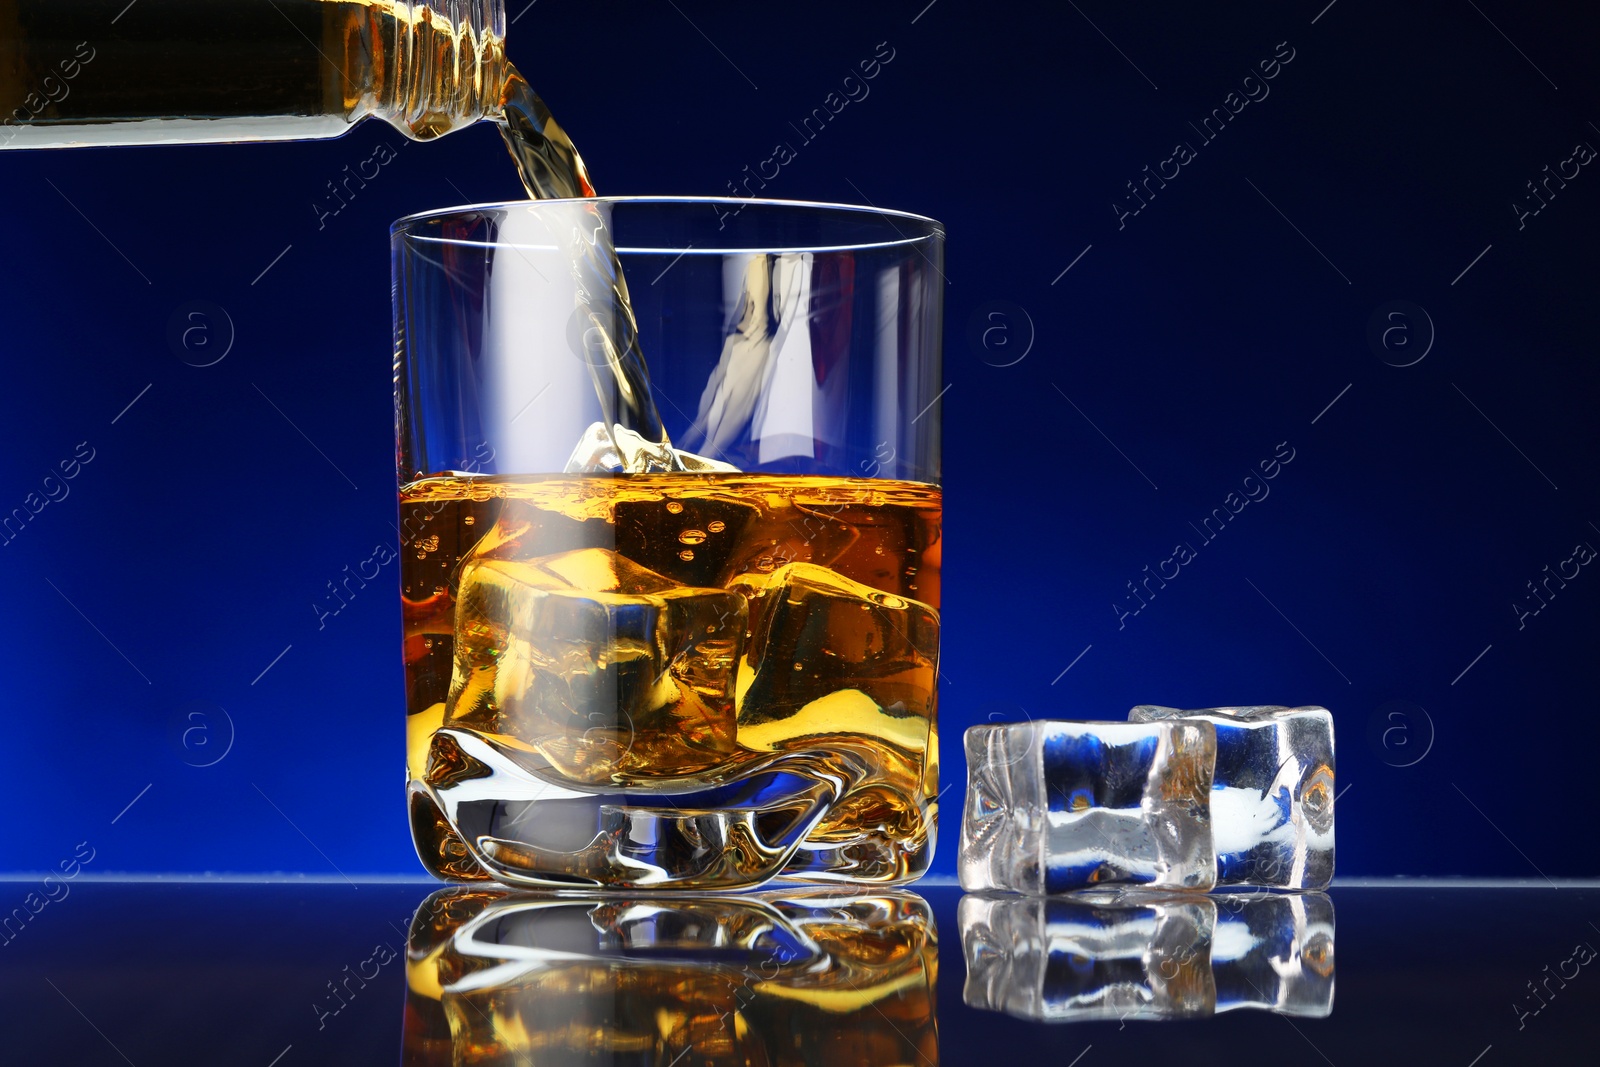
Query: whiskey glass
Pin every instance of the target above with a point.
(670, 541)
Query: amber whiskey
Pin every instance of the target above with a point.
(694, 680)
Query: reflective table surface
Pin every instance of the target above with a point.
(290, 973)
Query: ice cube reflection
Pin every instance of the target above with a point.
(496, 977)
(1142, 954)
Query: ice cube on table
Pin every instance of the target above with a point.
(1055, 805)
(1064, 959)
(596, 668)
(1272, 792)
(1133, 953)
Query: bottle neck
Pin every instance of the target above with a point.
(432, 67)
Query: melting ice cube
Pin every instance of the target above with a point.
(813, 632)
(595, 666)
(620, 450)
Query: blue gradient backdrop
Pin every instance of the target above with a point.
(1184, 344)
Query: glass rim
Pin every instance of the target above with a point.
(930, 228)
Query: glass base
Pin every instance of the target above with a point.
(774, 826)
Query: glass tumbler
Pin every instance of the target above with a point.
(692, 665)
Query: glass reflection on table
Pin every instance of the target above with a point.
(498, 977)
(1133, 954)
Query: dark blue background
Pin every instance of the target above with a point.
(1199, 336)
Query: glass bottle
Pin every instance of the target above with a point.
(111, 72)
